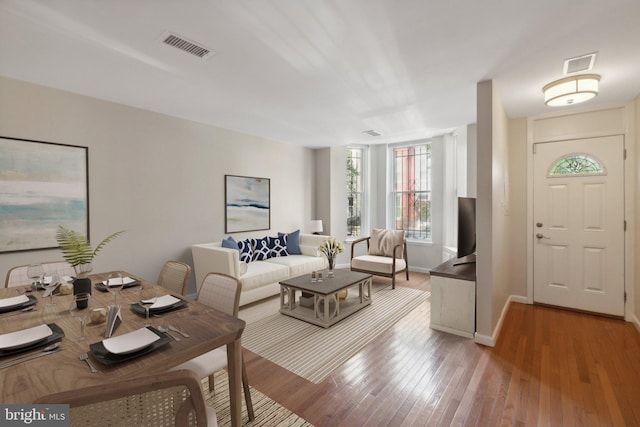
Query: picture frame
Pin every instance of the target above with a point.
(42, 185)
(247, 203)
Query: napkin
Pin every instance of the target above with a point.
(114, 318)
(13, 301)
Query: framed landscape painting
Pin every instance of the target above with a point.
(247, 203)
(42, 185)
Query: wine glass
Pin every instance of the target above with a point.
(115, 285)
(35, 272)
(50, 286)
(147, 298)
(80, 308)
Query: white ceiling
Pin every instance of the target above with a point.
(316, 72)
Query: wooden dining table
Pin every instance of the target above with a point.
(63, 370)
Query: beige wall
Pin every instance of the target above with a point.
(636, 133)
(160, 178)
(518, 174)
(493, 213)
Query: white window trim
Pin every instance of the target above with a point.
(390, 202)
(366, 189)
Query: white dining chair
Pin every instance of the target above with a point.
(220, 292)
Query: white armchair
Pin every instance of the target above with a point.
(386, 254)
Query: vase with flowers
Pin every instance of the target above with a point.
(330, 248)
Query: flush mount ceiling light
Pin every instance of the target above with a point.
(571, 90)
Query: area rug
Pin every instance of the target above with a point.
(313, 352)
(267, 412)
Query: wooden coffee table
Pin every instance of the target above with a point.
(327, 308)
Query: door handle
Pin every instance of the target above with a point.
(542, 236)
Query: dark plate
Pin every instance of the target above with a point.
(102, 287)
(57, 335)
(103, 356)
(32, 301)
(138, 308)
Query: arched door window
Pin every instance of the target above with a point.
(576, 165)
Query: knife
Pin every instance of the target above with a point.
(27, 358)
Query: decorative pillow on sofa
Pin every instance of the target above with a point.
(278, 246)
(292, 241)
(261, 250)
(230, 243)
(246, 250)
(383, 242)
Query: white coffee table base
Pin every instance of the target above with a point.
(328, 309)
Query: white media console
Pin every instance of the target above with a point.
(453, 297)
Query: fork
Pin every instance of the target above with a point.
(85, 357)
(174, 329)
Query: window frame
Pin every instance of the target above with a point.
(362, 191)
(429, 191)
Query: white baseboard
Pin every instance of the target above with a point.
(635, 322)
(490, 341)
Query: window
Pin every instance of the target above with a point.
(411, 192)
(355, 193)
(577, 165)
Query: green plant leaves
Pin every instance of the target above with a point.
(76, 249)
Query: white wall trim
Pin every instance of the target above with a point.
(520, 299)
(635, 322)
(490, 341)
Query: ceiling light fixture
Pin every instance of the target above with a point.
(571, 90)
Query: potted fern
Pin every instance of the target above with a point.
(77, 250)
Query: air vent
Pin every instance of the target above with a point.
(179, 42)
(371, 132)
(579, 64)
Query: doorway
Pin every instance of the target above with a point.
(578, 215)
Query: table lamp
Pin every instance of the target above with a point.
(316, 226)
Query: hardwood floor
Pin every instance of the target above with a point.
(550, 367)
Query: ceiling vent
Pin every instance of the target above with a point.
(189, 46)
(371, 132)
(579, 64)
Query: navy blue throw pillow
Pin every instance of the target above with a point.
(278, 246)
(246, 250)
(260, 249)
(293, 242)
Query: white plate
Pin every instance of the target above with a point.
(163, 301)
(116, 281)
(130, 342)
(24, 337)
(13, 301)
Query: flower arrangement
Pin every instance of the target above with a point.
(331, 247)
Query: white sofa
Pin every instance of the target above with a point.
(260, 279)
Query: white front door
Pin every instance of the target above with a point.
(579, 224)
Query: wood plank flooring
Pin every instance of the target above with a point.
(550, 367)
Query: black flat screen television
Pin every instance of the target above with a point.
(466, 230)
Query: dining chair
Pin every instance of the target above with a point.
(174, 276)
(220, 292)
(17, 276)
(386, 254)
(168, 399)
